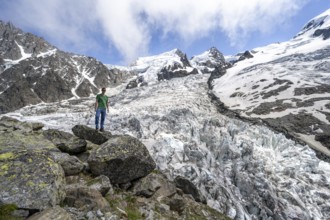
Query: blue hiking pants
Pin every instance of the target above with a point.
(103, 113)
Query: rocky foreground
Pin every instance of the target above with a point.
(51, 174)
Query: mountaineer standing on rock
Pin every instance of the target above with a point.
(101, 107)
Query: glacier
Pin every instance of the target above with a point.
(245, 170)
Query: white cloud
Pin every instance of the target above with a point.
(128, 25)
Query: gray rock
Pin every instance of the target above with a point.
(70, 164)
(11, 124)
(55, 213)
(101, 184)
(154, 185)
(30, 180)
(147, 186)
(90, 134)
(189, 188)
(85, 198)
(122, 159)
(324, 139)
(66, 142)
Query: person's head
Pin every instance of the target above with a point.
(103, 90)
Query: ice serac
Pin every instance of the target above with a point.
(36, 71)
(287, 85)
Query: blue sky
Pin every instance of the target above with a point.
(119, 31)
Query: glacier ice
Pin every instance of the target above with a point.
(246, 171)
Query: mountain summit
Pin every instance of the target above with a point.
(33, 71)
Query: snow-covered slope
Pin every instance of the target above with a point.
(167, 65)
(286, 84)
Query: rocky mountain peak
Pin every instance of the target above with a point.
(320, 25)
(14, 43)
(33, 71)
(216, 54)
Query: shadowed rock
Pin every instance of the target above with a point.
(156, 185)
(122, 159)
(91, 134)
(70, 164)
(55, 213)
(324, 139)
(66, 142)
(189, 188)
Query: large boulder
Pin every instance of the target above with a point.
(17, 135)
(12, 124)
(30, 180)
(122, 159)
(90, 134)
(55, 213)
(65, 141)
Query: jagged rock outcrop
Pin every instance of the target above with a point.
(138, 82)
(177, 69)
(122, 158)
(211, 62)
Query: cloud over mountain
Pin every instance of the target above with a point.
(129, 26)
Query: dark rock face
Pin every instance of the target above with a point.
(45, 73)
(324, 139)
(324, 32)
(122, 159)
(321, 89)
(215, 65)
(177, 69)
(16, 96)
(91, 134)
(174, 71)
(13, 37)
(245, 55)
(139, 81)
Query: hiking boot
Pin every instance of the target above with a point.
(102, 129)
(96, 129)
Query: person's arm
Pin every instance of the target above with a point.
(108, 106)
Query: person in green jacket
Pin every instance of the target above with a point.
(101, 108)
